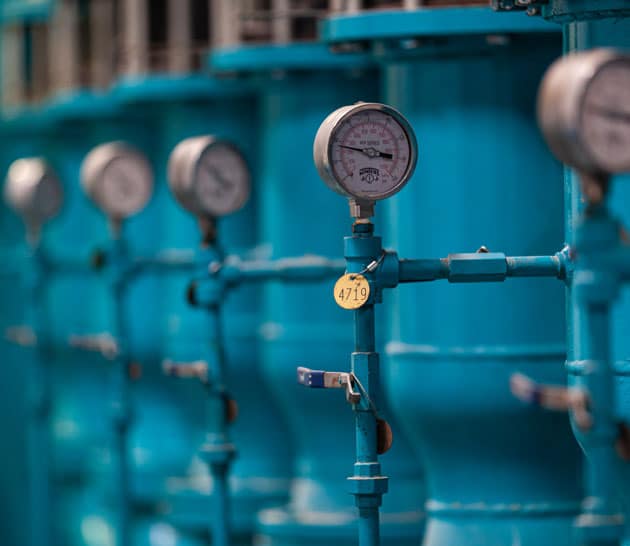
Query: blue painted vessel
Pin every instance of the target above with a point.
(497, 472)
(193, 106)
(298, 85)
(587, 25)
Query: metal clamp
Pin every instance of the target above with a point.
(319, 379)
(553, 398)
(186, 370)
(100, 343)
(371, 267)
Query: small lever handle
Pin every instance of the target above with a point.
(319, 379)
(21, 335)
(186, 370)
(553, 397)
(100, 343)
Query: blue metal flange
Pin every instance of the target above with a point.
(404, 24)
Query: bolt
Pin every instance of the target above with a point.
(497, 39)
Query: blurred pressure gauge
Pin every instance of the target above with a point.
(209, 177)
(584, 110)
(366, 151)
(33, 190)
(118, 178)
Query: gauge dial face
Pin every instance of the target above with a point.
(367, 151)
(33, 190)
(209, 177)
(221, 179)
(605, 117)
(118, 178)
(126, 184)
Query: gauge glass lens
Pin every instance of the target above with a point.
(126, 185)
(33, 189)
(606, 117)
(222, 179)
(48, 198)
(370, 154)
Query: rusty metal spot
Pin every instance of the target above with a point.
(384, 436)
(135, 371)
(98, 260)
(191, 293)
(623, 442)
(231, 410)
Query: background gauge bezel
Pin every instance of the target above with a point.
(324, 141)
(184, 165)
(561, 108)
(23, 184)
(94, 170)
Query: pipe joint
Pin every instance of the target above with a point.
(604, 529)
(368, 489)
(218, 454)
(477, 267)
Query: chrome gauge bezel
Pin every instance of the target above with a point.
(325, 138)
(561, 108)
(24, 184)
(94, 169)
(184, 165)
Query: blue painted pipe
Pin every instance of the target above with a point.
(217, 451)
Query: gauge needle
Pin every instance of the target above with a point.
(124, 184)
(611, 114)
(370, 152)
(225, 184)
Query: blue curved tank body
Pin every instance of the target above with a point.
(497, 471)
(302, 325)
(189, 107)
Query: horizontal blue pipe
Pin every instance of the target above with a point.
(301, 269)
(482, 267)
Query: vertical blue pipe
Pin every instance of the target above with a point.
(218, 451)
(365, 423)
(39, 395)
(120, 390)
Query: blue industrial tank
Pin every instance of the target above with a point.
(22, 137)
(497, 472)
(583, 34)
(196, 106)
(298, 86)
(82, 419)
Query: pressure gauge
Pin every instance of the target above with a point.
(366, 151)
(209, 177)
(118, 178)
(33, 190)
(584, 110)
